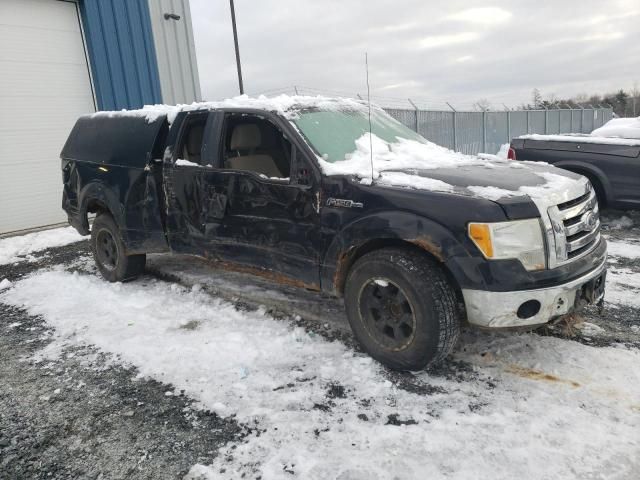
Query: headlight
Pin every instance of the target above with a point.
(520, 239)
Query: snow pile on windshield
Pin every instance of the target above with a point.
(408, 155)
(285, 105)
(14, 249)
(619, 127)
(401, 155)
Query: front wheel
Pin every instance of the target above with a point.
(109, 252)
(401, 308)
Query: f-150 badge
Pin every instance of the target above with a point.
(341, 202)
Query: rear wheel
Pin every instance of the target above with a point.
(401, 308)
(109, 252)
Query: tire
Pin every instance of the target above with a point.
(402, 309)
(109, 252)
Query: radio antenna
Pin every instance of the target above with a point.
(366, 64)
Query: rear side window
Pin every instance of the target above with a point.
(190, 148)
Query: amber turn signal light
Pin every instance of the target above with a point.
(480, 233)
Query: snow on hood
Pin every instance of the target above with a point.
(286, 105)
(407, 163)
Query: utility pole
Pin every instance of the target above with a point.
(235, 41)
(455, 132)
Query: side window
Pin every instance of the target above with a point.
(189, 152)
(254, 144)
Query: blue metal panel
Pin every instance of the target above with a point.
(121, 52)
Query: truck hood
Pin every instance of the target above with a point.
(419, 166)
(499, 181)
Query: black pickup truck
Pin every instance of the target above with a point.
(612, 165)
(307, 191)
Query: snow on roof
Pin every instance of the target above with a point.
(285, 105)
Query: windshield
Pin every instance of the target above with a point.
(333, 133)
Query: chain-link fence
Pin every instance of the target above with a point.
(475, 132)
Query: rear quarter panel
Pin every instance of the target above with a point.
(107, 164)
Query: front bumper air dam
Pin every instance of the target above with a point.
(500, 309)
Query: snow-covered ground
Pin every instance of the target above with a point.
(509, 406)
(13, 249)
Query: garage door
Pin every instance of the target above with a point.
(44, 87)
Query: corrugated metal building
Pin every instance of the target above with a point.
(60, 59)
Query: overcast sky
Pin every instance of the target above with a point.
(432, 51)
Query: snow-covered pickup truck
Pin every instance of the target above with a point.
(609, 157)
(308, 191)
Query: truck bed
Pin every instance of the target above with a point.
(611, 164)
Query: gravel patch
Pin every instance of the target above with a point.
(85, 416)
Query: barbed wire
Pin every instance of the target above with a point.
(489, 103)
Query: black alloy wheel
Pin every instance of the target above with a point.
(387, 314)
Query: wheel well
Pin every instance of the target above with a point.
(94, 206)
(348, 258)
(601, 193)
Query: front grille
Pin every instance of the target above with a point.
(575, 201)
(576, 227)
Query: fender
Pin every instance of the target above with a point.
(149, 239)
(387, 228)
(590, 171)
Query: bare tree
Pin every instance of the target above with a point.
(635, 98)
(536, 98)
(482, 105)
(581, 98)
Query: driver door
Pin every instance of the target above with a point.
(271, 218)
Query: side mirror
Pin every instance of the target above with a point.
(304, 176)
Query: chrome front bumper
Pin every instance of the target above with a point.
(499, 309)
